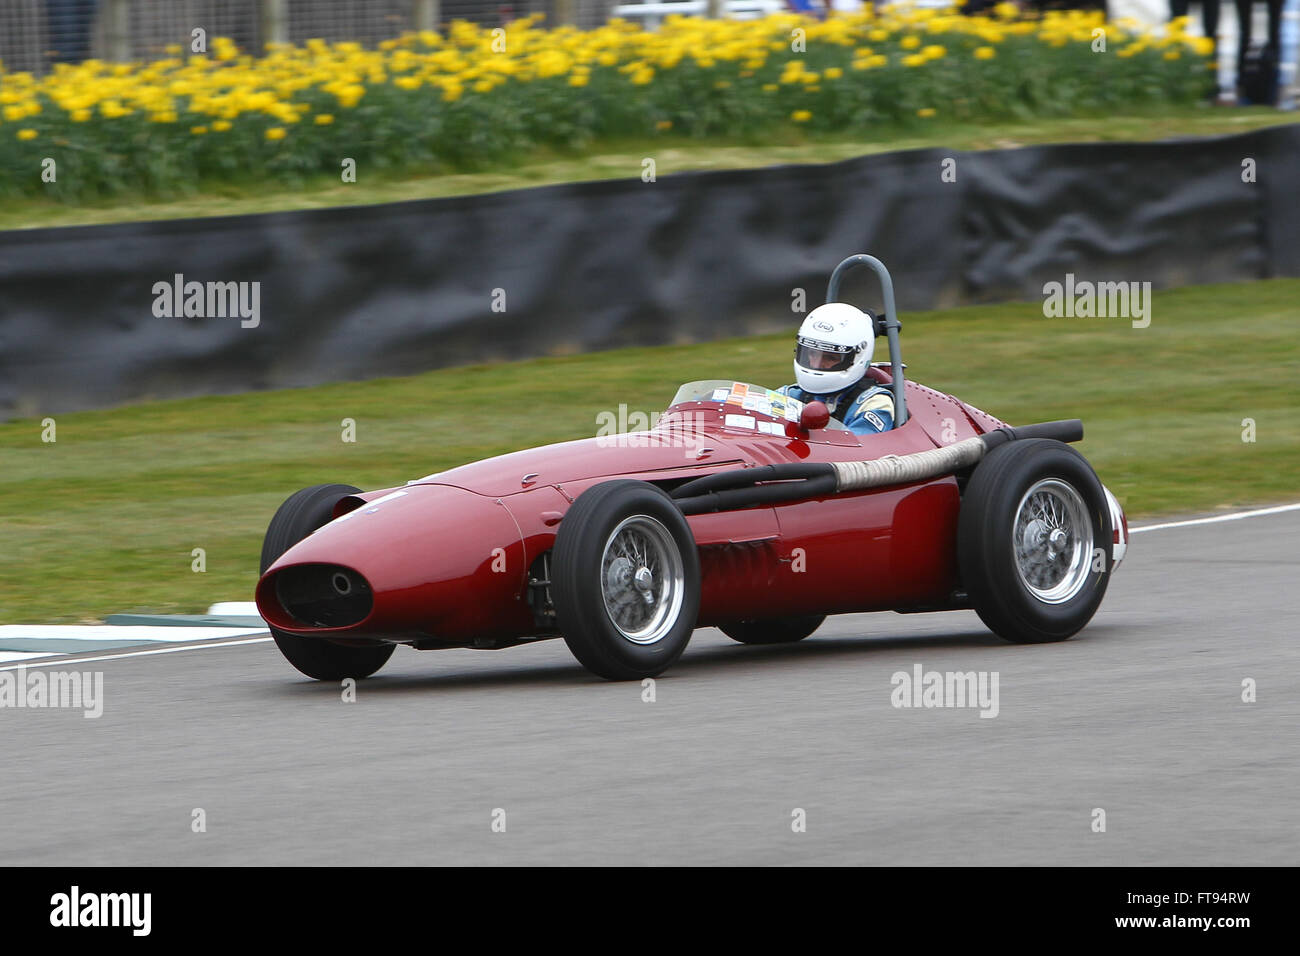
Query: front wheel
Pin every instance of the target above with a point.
(785, 630)
(301, 514)
(1034, 541)
(625, 580)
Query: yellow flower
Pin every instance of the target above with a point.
(663, 125)
(878, 35)
(577, 79)
(925, 112)
(198, 130)
(1172, 54)
(801, 116)
(349, 95)
(324, 119)
(275, 133)
(26, 134)
(934, 52)
(910, 42)
(985, 53)
(14, 113)
(915, 59)
(221, 125)
(770, 87)
(834, 73)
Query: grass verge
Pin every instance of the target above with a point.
(671, 154)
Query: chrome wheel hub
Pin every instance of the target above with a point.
(644, 580)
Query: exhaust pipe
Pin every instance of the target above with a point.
(730, 490)
(898, 470)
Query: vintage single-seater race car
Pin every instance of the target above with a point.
(742, 508)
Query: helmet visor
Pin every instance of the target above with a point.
(823, 357)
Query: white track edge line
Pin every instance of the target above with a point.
(75, 661)
(1235, 516)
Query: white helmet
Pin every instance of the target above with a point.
(834, 348)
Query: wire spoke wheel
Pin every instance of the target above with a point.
(1034, 541)
(642, 579)
(1052, 541)
(625, 580)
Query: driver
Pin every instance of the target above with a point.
(831, 357)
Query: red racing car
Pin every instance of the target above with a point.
(742, 508)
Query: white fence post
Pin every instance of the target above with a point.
(566, 12)
(117, 32)
(275, 21)
(426, 14)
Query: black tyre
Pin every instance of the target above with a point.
(1034, 541)
(785, 630)
(301, 514)
(625, 580)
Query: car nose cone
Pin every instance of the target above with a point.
(428, 560)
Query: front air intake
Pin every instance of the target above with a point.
(323, 595)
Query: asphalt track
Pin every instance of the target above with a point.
(1140, 715)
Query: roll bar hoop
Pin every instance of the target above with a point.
(889, 320)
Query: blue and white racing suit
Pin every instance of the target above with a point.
(863, 408)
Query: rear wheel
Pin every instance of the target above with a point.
(625, 580)
(1034, 541)
(301, 514)
(784, 630)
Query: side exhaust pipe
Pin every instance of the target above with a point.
(898, 470)
(772, 484)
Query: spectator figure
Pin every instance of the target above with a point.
(1257, 74)
(70, 23)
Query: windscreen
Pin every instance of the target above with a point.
(739, 400)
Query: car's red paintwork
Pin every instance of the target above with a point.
(448, 556)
